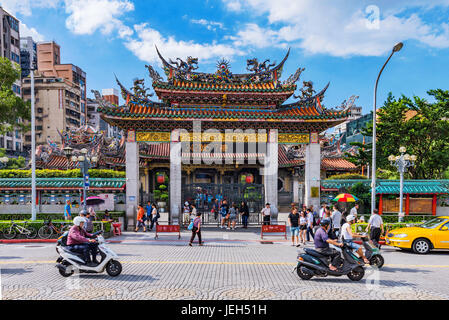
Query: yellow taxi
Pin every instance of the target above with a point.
(433, 234)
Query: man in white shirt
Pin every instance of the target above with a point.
(336, 221)
(353, 211)
(322, 210)
(309, 224)
(266, 214)
(377, 227)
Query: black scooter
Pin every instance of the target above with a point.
(312, 263)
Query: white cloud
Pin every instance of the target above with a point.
(210, 25)
(144, 49)
(25, 31)
(88, 16)
(344, 30)
(25, 6)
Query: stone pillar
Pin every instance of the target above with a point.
(271, 174)
(296, 189)
(175, 177)
(132, 182)
(312, 172)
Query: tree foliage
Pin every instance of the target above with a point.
(417, 124)
(12, 107)
(13, 163)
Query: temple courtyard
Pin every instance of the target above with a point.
(231, 265)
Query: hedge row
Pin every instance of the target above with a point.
(75, 173)
(107, 226)
(55, 216)
(361, 227)
(406, 219)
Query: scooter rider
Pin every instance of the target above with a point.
(81, 241)
(322, 242)
(347, 236)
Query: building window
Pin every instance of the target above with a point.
(18, 146)
(16, 89)
(15, 57)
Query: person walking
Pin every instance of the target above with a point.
(376, 227)
(147, 216)
(196, 230)
(215, 208)
(232, 217)
(67, 211)
(224, 210)
(302, 227)
(354, 212)
(140, 221)
(244, 211)
(186, 212)
(309, 224)
(93, 214)
(154, 216)
(266, 215)
(336, 222)
(293, 221)
(89, 225)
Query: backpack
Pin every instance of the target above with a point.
(157, 214)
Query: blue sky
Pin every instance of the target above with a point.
(345, 44)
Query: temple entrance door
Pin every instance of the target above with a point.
(203, 195)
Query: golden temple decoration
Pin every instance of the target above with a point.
(153, 136)
(293, 138)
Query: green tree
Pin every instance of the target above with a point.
(13, 163)
(12, 107)
(420, 126)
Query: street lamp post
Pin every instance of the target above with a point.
(402, 162)
(396, 48)
(85, 162)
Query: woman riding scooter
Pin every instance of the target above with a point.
(347, 237)
(81, 241)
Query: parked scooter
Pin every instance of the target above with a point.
(312, 263)
(70, 261)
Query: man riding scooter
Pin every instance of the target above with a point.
(322, 242)
(347, 237)
(81, 241)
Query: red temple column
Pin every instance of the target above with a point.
(380, 204)
(434, 205)
(407, 204)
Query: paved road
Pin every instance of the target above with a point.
(231, 265)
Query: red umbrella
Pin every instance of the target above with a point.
(91, 201)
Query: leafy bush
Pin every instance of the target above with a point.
(346, 176)
(361, 227)
(75, 173)
(54, 216)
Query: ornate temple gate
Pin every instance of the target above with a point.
(218, 102)
(203, 194)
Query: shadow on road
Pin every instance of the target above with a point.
(15, 271)
(410, 270)
(122, 277)
(11, 258)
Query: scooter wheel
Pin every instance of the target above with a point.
(303, 275)
(64, 273)
(377, 261)
(356, 274)
(113, 268)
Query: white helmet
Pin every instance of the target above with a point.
(77, 221)
(350, 218)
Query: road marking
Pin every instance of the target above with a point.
(217, 263)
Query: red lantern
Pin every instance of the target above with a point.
(249, 179)
(160, 178)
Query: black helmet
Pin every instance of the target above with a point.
(325, 222)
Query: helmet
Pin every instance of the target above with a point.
(350, 218)
(325, 222)
(77, 221)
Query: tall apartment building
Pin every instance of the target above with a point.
(28, 55)
(60, 95)
(10, 48)
(94, 120)
(49, 64)
(57, 103)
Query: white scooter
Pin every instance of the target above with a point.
(70, 261)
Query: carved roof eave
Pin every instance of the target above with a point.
(279, 66)
(133, 97)
(307, 101)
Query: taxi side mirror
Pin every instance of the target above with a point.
(444, 228)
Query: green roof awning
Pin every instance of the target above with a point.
(61, 183)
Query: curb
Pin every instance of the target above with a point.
(29, 241)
